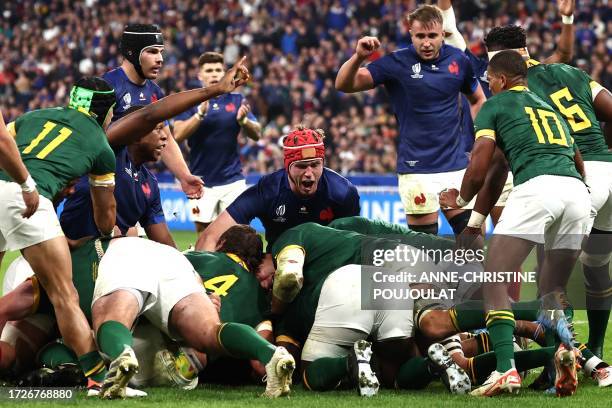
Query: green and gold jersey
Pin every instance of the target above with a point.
(533, 136)
(569, 90)
(58, 145)
(242, 298)
(85, 261)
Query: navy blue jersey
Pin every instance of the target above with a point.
(129, 94)
(136, 193)
(272, 201)
(424, 96)
(214, 144)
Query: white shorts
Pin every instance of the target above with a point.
(214, 201)
(419, 192)
(503, 197)
(148, 340)
(599, 180)
(161, 273)
(339, 320)
(550, 210)
(17, 232)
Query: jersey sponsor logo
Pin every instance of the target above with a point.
(326, 214)
(195, 210)
(215, 106)
(146, 189)
(127, 99)
(142, 97)
(412, 163)
(434, 67)
(303, 210)
(420, 200)
(484, 78)
(416, 68)
(230, 107)
(280, 212)
(453, 68)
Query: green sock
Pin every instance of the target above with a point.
(325, 373)
(598, 289)
(113, 337)
(242, 341)
(54, 354)
(500, 324)
(93, 366)
(413, 374)
(481, 366)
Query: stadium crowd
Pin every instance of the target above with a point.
(294, 49)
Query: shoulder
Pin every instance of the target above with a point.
(338, 187)
(114, 76)
(154, 87)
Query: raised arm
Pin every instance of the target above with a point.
(452, 36)
(137, 124)
(565, 48)
(352, 78)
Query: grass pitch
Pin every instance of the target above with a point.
(435, 395)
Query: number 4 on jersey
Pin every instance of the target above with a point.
(220, 285)
(59, 139)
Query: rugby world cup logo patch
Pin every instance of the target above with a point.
(416, 68)
(280, 212)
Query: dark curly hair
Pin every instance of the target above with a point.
(244, 242)
(506, 37)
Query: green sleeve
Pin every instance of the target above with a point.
(484, 124)
(105, 162)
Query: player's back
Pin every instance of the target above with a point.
(58, 145)
(569, 90)
(242, 298)
(532, 135)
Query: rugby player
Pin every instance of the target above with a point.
(142, 46)
(304, 191)
(431, 155)
(212, 131)
(540, 210)
(58, 145)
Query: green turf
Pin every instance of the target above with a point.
(435, 395)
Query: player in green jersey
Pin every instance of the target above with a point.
(58, 145)
(549, 204)
(584, 104)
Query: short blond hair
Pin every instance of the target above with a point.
(426, 15)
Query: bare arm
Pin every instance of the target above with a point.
(565, 49)
(10, 161)
(452, 36)
(493, 185)
(477, 169)
(208, 239)
(352, 78)
(578, 161)
(251, 127)
(603, 106)
(137, 124)
(160, 233)
(477, 99)
(172, 157)
(104, 208)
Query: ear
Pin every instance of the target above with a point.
(504, 81)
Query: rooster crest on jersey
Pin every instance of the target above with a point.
(303, 144)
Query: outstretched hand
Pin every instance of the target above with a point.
(237, 76)
(566, 7)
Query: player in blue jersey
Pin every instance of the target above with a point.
(304, 191)
(136, 193)
(423, 82)
(142, 46)
(212, 131)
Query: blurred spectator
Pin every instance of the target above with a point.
(295, 49)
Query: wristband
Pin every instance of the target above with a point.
(29, 185)
(567, 19)
(198, 115)
(461, 202)
(242, 121)
(476, 219)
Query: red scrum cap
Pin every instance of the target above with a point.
(303, 144)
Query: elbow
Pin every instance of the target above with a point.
(565, 56)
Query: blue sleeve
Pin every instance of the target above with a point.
(470, 83)
(248, 205)
(155, 212)
(381, 70)
(351, 205)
